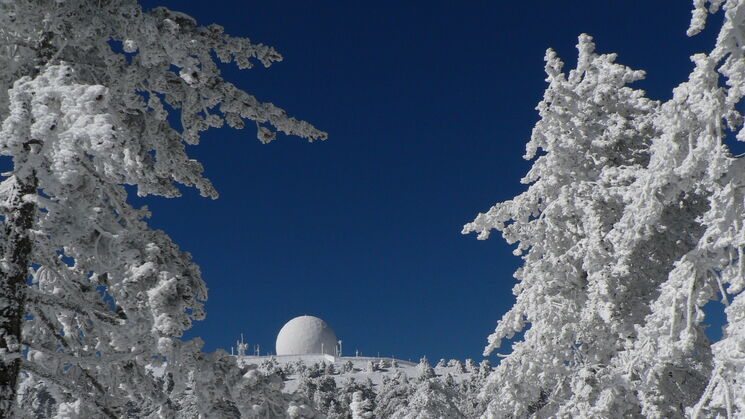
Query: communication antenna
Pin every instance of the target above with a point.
(242, 346)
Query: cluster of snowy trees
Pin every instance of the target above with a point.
(450, 390)
(224, 389)
(633, 220)
(98, 98)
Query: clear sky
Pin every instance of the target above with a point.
(428, 106)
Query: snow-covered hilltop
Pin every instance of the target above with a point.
(389, 387)
(309, 363)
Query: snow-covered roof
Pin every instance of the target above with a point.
(306, 335)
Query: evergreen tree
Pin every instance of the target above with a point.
(345, 394)
(594, 132)
(485, 368)
(371, 366)
(347, 367)
(470, 400)
(457, 366)
(392, 396)
(430, 400)
(632, 223)
(325, 393)
(330, 369)
(424, 369)
(471, 366)
(361, 408)
(87, 90)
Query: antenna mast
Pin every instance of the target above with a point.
(242, 346)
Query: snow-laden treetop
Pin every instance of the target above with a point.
(157, 66)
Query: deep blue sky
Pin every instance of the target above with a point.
(428, 106)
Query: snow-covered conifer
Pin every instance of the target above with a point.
(360, 407)
(424, 369)
(371, 366)
(392, 395)
(485, 368)
(471, 366)
(349, 388)
(330, 369)
(347, 366)
(457, 366)
(594, 134)
(449, 381)
(86, 90)
(470, 400)
(430, 400)
(632, 222)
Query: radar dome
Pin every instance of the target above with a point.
(306, 335)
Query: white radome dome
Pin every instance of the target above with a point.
(306, 335)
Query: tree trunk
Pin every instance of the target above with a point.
(14, 262)
(19, 218)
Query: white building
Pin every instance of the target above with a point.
(306, 335)
(310, 339)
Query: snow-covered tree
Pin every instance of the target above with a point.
(330, 369)
(430, 399)
(632, 222)
(347, 366)
(89, 92)
(371, 366)
(348, 388)
(471, 366)
(325, 392)
(485, 368)
(360, 407)
(392, 395)
(457, 366)
(424, 369)
(470, 401)
(594, 132)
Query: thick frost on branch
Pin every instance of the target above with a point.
(165, 59)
